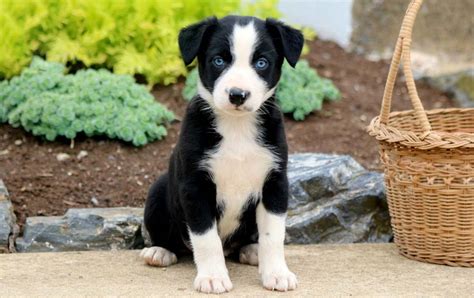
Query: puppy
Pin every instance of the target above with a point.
(226, 191)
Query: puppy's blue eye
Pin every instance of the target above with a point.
(261, 63)
(218, 61)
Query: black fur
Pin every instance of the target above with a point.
(191, 38)
(186, 195)
(288, 41)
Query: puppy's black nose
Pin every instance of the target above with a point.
(238, 96)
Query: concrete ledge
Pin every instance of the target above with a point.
(323, 270)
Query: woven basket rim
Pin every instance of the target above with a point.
(426, 141)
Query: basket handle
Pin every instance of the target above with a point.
(402, 52)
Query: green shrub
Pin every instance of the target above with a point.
(300, 91)
(45, 101)
(127, 36)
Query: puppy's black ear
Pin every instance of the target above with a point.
(191, 37)
(290, 40)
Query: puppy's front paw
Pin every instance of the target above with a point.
(158, 256)
(213, 284)
(284, 280)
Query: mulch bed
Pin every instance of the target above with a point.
(117, 174)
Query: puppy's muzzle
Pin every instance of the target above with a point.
(238, 96)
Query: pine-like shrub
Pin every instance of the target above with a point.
(300, 91)
(127, 36)
(46, 102)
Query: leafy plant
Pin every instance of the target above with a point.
(127, 36)
(46, 102)
(300, 91)
(190, 87)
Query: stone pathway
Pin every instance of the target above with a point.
(323, 270)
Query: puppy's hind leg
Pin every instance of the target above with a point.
(162, 231)
(249, 254)
(158, 256)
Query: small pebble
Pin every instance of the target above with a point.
(4, 152)
(62, 156)
(326, 56)
(363, 118)
(82, 154)
(94, 201)
(18, 142)
(139, 183)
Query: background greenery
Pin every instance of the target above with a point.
(300, 91)
(126, 36)
(133, 37)
(46, 102)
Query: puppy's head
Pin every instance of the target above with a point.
(239, 59)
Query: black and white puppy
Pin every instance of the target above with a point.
(226, 190)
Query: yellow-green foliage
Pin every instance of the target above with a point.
(128, 36)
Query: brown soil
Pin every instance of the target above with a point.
(117, 174)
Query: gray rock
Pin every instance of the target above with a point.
(84, 229)
(8, 226)
(333, 199)
(459, 84)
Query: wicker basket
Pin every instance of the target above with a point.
(428, 159)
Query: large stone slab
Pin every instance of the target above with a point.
(8, 226)
(333, 199)
(84, 229)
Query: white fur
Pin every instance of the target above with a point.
(212, 276)
(240, 164)
(271, 256)
(204, 93)
(239, 167)
(241, 74)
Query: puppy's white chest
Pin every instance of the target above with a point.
(239, 167)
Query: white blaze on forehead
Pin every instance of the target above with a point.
(243, 42)
(240, 73)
